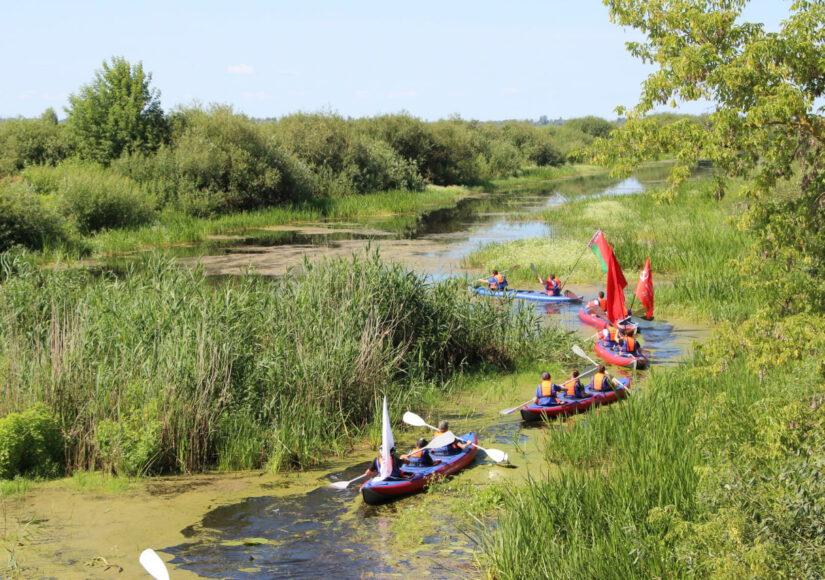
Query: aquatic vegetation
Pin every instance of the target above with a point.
(156, 369)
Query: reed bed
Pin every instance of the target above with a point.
(158, 369)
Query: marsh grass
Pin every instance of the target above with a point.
(157, 370)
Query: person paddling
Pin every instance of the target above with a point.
(552, 286)
(600, 382)
(598, 302)
(546, 391)
(497, 281)
(628, 342)
(453, 447)
(419, 456)
(609, 335)
(574, 389)
(375, 467)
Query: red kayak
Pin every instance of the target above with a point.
(416, 478)
(619, 358)
(533, 412)
(600, 321)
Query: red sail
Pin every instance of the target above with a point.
(644, 289)
(616, 283)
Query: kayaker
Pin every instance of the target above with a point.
(600, 382)
(599, 302)
(546, 391)
(375, 467)
(419, 456)
(452, 448)
(628, 342)
(608, 335)
(552, 286)
(574, 389)
(497, 281)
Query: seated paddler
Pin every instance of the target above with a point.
(497, 281)
(375, 467)
(609, 335)
(628, 343)
(573, 386)
(419, 456)
(546, 391)
(452, 448)
(552, 286)
(601, 382)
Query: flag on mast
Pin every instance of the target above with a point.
(644, 289)
(616, 283)
(387, 444)
(601, 248)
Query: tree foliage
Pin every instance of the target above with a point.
(117, 112)
(766, 125)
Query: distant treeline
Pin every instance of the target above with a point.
(119, 159)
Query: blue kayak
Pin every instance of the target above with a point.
(534, 295)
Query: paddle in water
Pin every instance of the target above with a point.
(152, 563)
(345, 484)
(412, 419)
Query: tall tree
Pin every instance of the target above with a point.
(767, 125)
(117, 112)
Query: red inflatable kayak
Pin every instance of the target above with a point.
(533, 412)
(616, 357)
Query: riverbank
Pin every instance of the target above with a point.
(710, 470)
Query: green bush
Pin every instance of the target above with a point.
(97, 199)
(130, 445)
(31, 443)
(25, 219)
(372, 165)
(26, 142)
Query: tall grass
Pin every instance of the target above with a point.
(695, 475)
(156, 369)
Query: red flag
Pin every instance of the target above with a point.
(616, 283)
(644, 289)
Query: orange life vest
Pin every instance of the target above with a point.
(609, 333)
(598, 382)
(629, 344)
(546, 388)
(571, 388)
(603, 303)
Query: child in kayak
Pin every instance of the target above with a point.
(419, 456)
(552, 286)
(601, 382)
(375, 467)
(574, 388)
(452, 448)
(497, 281)
(546, 391)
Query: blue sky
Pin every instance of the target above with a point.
(478, 59)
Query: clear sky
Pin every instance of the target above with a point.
(480, 59)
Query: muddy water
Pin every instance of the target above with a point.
(433, 243)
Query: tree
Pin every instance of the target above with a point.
(766, 125)
(116, 113)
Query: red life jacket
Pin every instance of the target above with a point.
(598, 382)
(551, 285)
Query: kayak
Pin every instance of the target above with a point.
(599, 321)
(535, 295)
(571, 406)
(377, 492)
(619, 358)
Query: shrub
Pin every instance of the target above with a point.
(25, 142)
(131, 445)
(372, 165)
(24, 218)
(30, 443)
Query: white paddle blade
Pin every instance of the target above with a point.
(414, 420)
(441, 440)
(496, 455)
(340, 484)
(152, 563)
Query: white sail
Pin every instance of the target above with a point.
(387, 443)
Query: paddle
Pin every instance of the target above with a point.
(416, 421)
(512, 410)
(533, 268)
(150, 560)
(345, 484)
(573, 296)
(578, 350)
